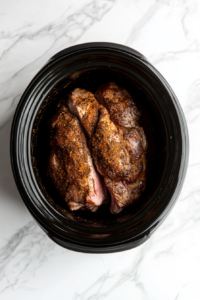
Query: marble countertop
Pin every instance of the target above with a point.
(167, 266)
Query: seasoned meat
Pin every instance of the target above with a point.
(119, 104)
(84, 105)
(108, 147)
(124, 193)
(70, 164)
(111, 150)
(135, 143)
(119, 146)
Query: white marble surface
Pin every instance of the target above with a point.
(166, 267)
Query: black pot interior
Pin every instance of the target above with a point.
(154, 126)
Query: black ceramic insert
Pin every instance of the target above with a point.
(87, 66)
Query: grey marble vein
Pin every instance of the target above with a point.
(142, 22)
(63, 32)
(98, 291)
(31, 265)
(173, 55)
(24, 252)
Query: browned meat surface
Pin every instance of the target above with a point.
(114, 149)
(119, 104)
(84, 105)
(135, 143)
(108, 148)
(70, 164)
(124, 193)
(119, 146)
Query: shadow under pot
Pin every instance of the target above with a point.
(88, 66)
